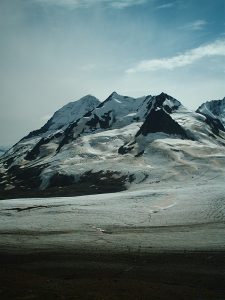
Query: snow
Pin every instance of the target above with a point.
(214, 109)
(159, 217)
(175, 202)
(9, 187)
(59, 121)
(72, 112)
(170, 103)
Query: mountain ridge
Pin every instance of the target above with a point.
(67, 114)
(214, 111)
(90, 146)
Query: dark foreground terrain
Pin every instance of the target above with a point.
(59, 275)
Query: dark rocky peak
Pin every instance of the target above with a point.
(169, 103)
(158, 120)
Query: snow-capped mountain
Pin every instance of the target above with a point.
(61, 119)
(93, 147)
(65, 115)
(215, 111)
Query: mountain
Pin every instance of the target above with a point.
(214, 111)
(91, 147)
(65, 115)
(61, 119)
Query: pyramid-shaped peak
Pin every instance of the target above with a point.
(114, 94)
(163, 94)
(163, 97)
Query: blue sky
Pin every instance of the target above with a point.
(55, 51)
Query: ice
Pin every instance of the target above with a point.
(160, 217)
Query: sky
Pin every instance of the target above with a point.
(56, 51)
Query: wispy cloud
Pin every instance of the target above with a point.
(189, 57)
(118, 4)
(126, 3)
(196, 25)
(166, 5)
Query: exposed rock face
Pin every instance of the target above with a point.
(160, 121)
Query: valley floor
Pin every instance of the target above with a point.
(155, 242)
(60, 275)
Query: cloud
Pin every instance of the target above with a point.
(189, 57)
(126, 3)
(68, 3)
(196, 25)
(167, 5)
(118, 4)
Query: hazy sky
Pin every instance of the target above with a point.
(56, 51)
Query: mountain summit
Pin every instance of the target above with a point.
(90, 146)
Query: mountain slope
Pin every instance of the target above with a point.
(214, 111)
(55, 125)
(116, 144)
(67, 114)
